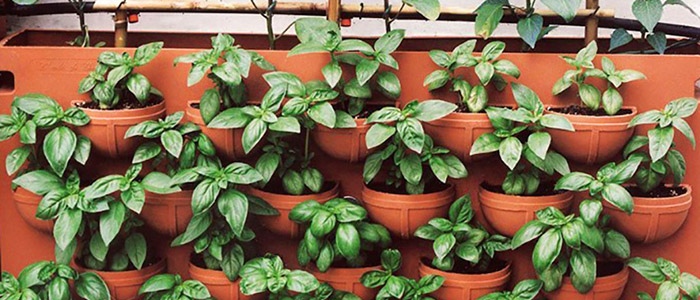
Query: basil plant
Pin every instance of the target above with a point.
(325, 292)
(268, 274)
(672, 283)
(611, 99)
(487, 67)
(398, 287)
(227, 76)
(656, 149)
(171, 286)
(55, 146)
(338, 230)
(318, 35)
(606, 185)
(411, 150)
(521, 134)
(114, 85)
(460, 238)
(527, 289)
(566, 245)
(50, 280)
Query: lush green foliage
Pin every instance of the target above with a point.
(337, 230)
(530, 25)
(520, 133)
(648, 13)
(48, 280)
(459, 237)
(524, 290)
(659, 159)
(399, 287)
(672, 283)
(169, 286)
(411, 148)
(591, 97)
(267, 274)
(114, 81)
(487, 67)
(324, 292)
(568, 244)
(230, 90)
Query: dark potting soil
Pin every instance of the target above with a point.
(604, 268)
(275, 187)
(373, 259)
(390, 189)
(545, 189)
(586, 111)
(128, 103)
(150, 260)
(463, 267)
(658, 192)
(367, 110)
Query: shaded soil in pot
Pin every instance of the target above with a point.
(604, 268)
(586, 111)
(128, 103)
(275, 187)
(658, 192)
(373, 259)
(464, 267)
(150, 260)
(367, 110)
(390, 189)
(545, 189)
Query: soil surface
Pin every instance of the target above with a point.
(129, 103)
(586, 111)
(463, 267)
(658, 192)
(545, 189)
(429, 188)
(604, 268)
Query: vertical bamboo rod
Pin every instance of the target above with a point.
(120, 27)
(591, 22)
(333, 11)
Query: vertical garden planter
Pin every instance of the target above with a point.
(226, 141)
(458, 131)
(346, 279)
(346, 144)
(597, 139)
(508, 213)
(605, 288)
(402, 214)
(167, 214)
(467, 286)
(281, 225)
(653, 219)
(27, 203)
(107, 128)
(219, 286)
(125, 285)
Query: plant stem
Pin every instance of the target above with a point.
(270, 32)
(306, 144)
(398, 13)
(285, 30)
(387, 24)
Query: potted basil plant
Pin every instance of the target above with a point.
(672, 283)
(267, 275)
(171, 286)
(399, 287)
(50, 280)
(527, 289)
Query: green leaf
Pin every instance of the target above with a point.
(241, 173)
(317, 30)
(355, 45)
(136, 249)
(685, 129)
(411, 132)
(111, 221)
(677, 163)
(286, 124)
(547, 249)
(313, 179)
(668, 290)
(204, 195)
(82, 150)
(485, 71)
(365, 70)
(507, 67)
(304, 212)
(510, 151)
(539, 143)
(322, 223)
(647, 269)
(583, 269)
(565, 8)
(593, 237)
(90, 286)
(301, 281)
(411, 168)
(619, 38)
(574, 181)
(527, 98)
(529, 29)
(332, 73)
(389, 42)
(233, 205)
(139, 86)
(648, 12)
(323, 114)
(58, 147)
(590, 96)
(443, 245)
(478, 99)
(440, 58)
(556, 122)
(590, 210)
(348, 240)
(16, 158)
(39, 182)
(253, 133)
(657, 40)
(309, 47)
(431, 110)
(160, 282)
(619, 197)
(66, 227)
(147, 52)
(198, 225)
(172, 142)
(660, 140)
(527, 233)
(430, 9)
(209, 105)
(485, 143)
(389, 84)
(33, 103)
(612, 101)
(489, 14)
(617, 244)
(354, 89)
(378, 134)
(228, 73)
(292, 182)
(230, 118)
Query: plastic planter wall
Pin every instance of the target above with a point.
(56, 71)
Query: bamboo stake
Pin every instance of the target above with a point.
(591, 23)
(333, 11)
(120, 28)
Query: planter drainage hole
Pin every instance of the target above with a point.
(7, 82)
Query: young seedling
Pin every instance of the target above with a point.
(672, 283)
(50, 280)
(171, 286)
(267, 274)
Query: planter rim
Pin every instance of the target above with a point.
(284, 197)
(120, 113)
(217, 276)
(126, 275)
(684, 199)
(360, 126)
(25, 193)
(389, 197)
(565, 196)
(603, 120)
(502, 273)
(606, 282)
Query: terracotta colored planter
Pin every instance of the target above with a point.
(403, 214)
(125, 285)
(467, 286)
(347, 279)
(281, 225)
(168, 214)
(27, 203)
(605, 288)
(107, 128)
(653, 219)
(508, 213)
(219, 286)
(226, 141)
(346, 144)
(596, 139)
(458, 131)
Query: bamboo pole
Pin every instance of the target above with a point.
(120, 28)
(591, 23)
(333, 11)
